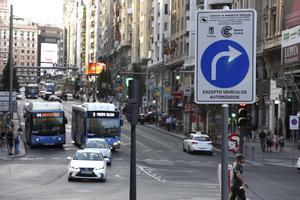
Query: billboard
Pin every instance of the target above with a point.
(49, 53)
(291, 13)
(94, 68)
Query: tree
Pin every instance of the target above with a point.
(6, 79)
(103, 83)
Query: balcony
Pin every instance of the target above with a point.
(272, 42)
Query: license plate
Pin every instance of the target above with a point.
(86, 172)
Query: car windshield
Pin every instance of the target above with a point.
(96, 144)
(88, 156)
(201, 138)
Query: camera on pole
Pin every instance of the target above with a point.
(132, 106)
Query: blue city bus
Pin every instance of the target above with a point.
(45, 123)
(31, 91)
(96, 120)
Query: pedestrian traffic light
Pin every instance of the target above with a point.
(242, 115)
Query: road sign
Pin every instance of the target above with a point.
(294, 122)
(187, 92)
(225, 56)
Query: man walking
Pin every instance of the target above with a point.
(262, 138)
(238, 181)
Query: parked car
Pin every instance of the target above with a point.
(141, 118)
(298, 164)
(100, 145)
(55, 98)
(69, 97)
(150, 117)
(198, 142)
(87, 164)
(20, 96)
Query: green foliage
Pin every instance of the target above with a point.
(6, 79)
(104, 84)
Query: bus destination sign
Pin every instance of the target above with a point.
(101, 114)
(48, 114)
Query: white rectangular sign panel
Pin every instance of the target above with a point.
(225, 56)
(294, 122)
(49, 52)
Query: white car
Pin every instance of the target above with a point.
(298, 164)
(100, 145)
(87, 164)
(198, 142)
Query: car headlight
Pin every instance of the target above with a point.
(99, 168)
(116, 143)
(74, 167)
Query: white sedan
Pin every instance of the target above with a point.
(198, 142)
(87, 164)
(100, 145)
(298, 164)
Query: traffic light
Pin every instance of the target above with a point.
(177, 75)
(132, 106)
(242, 115)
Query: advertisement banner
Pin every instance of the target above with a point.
(49, 53)
(94, 68)
(291, 13)
(290, 45)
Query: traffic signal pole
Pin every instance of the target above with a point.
(132, 117)
(224, 170)
(11, 71)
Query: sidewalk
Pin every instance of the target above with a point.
(4, 155)
(253, 153)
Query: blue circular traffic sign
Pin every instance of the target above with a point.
(225, 63)
(294, 122)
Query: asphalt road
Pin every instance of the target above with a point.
(164, 172)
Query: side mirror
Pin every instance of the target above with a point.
(106, 159)
(121, 122)
(69, 158)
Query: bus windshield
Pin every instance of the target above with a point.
(48, 125)
(103, 127)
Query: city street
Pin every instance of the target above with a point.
(164, 171)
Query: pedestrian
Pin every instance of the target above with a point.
(173, 123)
(262, 138)
(2, 140)
(18, 141)
(269, 141)
(253, 132)
(168, 123)
(275, 142)
(281, 142)
(9, 140)
(238, 181)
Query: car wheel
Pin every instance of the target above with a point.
(183, 148)
(109, 163)
(70, 178)
(189, 149)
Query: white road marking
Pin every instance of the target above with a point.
(162, 180)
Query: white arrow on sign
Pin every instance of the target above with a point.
(232, 53)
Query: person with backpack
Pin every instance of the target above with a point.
(18, 140)
(238, 181)
(9, 140)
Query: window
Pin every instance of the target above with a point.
(166, 26)
(28, 51)
(166, 9)
(32, 51)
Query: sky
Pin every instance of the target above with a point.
(42, 11)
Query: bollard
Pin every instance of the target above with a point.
(252, 156)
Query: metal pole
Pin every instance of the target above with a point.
(224, 183)
(11, 59)
(156, 104)
(162, 80)
(132, 195)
